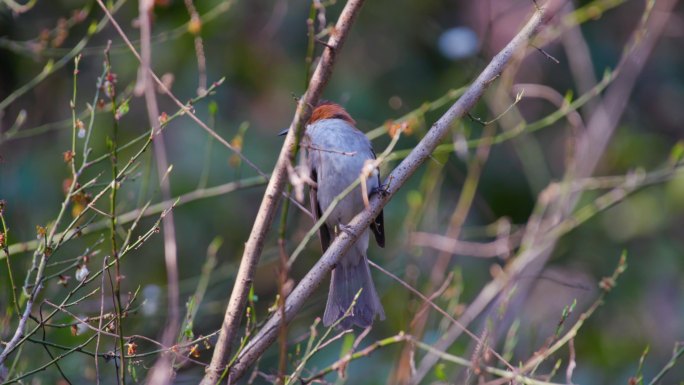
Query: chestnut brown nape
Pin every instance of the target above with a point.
(329, 110)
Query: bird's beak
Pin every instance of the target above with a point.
(283, 131)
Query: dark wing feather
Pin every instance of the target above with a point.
(323, 231)
(378, 228)
(378, 225)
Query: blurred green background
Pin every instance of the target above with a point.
(399, 55)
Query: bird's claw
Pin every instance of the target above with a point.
(383, 190)
(345, 229)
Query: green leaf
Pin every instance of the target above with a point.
(439, 372)
(347, 344)
(677, 153)
(122, 110)
(92, 28)
(568, 97)
(252, 296)
(213, 108)
(48, 66)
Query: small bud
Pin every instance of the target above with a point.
(40, 232)
(194, 351)
(607, 283)
(195, 25)
(63, 280)
(393, 127)
(82, 273)
(68, 156)
(80, 327)
(81, 128)
(163, 118)
(121, 110)
(132, 348)
(109, 85)
(206, 343)
(66, 185)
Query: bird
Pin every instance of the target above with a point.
(336, 153)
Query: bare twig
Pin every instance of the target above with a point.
(399, 176)
(267, 210)
(677, 352)
(497, 248)
(54, 67)
(589, 151)
(572, 363)
(161, 372)
(347, 358)
(157, 208)
(195, 27)
(187, 109)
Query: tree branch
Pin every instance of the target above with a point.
(264, 219)
(395, 180)
(554, 207)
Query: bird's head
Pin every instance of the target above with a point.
(326, 109)
(329, 110)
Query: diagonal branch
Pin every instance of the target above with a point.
(262, 223)
(396, 180)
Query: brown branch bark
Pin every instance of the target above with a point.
(264, 219)
(267, 335)
(162, 370)
(501, 247)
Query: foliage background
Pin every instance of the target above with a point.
(390, 65)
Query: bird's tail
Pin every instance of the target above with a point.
(347, 280)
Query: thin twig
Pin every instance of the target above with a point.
(399, 176)
(157, 208)
(497, 248)
(161, 372)
(589, 150)
(429, 302)
(268, 206)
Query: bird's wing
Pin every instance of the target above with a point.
(323, 231)
(378, 225)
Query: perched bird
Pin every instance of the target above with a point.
(336, 152)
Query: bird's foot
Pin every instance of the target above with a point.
(383, 190)
(341, 227)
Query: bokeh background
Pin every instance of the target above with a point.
(399, 55)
